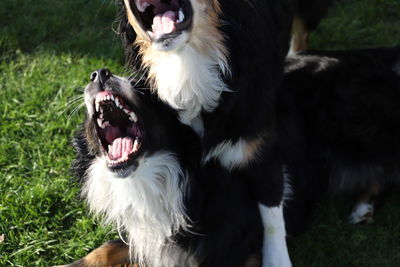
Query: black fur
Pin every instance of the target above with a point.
(257, 42)
(339, 120)
(257, 39)
(163, 131)
(226, 229)
(311, 12)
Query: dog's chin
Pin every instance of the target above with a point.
(170, 42)
(123, 170)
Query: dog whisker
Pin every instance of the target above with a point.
(71, 104)
(75, 110)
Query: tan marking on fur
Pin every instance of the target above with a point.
(111, 254)
(204, 35)
(299, 36)
(252, 148)
(368, 196)
(141, 34)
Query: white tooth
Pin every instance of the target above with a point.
(141, 6)
(133, 116)
(99, 122)
(108, 97)
(112, 97)
(109, 147)
(97, 106)
(181, 16)
(126, 111)
(138, 5)
(145, 5)
(105, 124)
(135, 145)
(116, 102)
(151, 34)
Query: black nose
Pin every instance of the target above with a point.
(100, 76)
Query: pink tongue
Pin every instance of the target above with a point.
(111, 133)
(121, 148)
(164, 23)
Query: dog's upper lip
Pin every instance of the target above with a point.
(107, 95)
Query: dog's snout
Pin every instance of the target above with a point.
(100, 76)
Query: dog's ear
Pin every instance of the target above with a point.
(111, 253)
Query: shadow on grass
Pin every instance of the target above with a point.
(78, 26)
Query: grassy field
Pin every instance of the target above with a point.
(47, 51)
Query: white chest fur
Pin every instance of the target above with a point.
(147, 205)
(188, 80)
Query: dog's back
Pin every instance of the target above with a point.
(340, 122)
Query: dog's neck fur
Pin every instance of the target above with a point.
(147, 205)
(188, 80)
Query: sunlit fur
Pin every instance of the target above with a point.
(189, 77)
(147, 205)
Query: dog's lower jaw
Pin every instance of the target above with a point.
(171, 44)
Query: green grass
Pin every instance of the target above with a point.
(47, 51)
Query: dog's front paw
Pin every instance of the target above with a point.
(362, 212)
(276, 256)
(277, 259)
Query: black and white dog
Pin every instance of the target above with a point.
(141, 168)
(339, 121)
(218, 63)
(338, 124)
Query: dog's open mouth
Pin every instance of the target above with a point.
(117, 129)
(163, 19)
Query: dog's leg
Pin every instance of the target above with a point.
(299, 40)
(363, 211)
(111, 253)
(275, 253)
